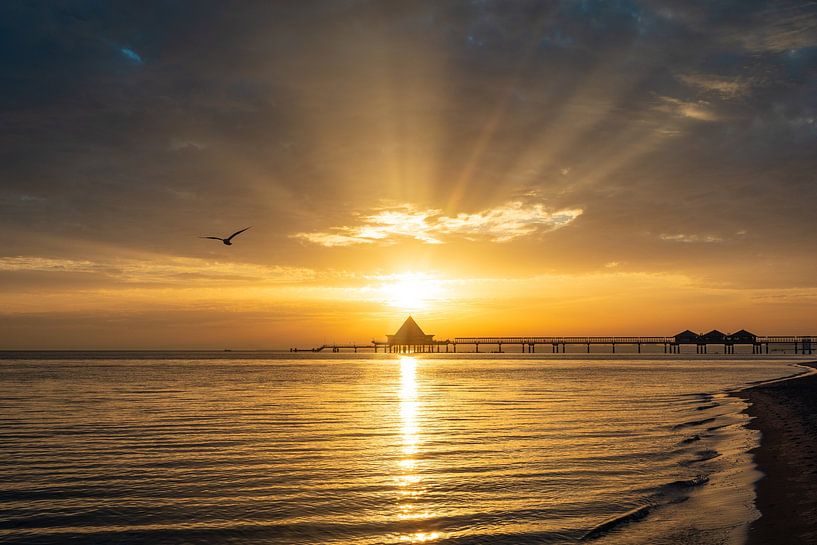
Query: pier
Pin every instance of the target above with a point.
(411, 339)
(670, 345)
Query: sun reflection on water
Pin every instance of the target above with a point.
(409, 480)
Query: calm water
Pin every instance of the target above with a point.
(332, 450)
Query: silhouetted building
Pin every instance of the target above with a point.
(687, 337)
(742, 337)
(714, 337)
(410, 338)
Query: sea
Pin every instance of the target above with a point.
(279, 448)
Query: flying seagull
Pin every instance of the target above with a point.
(227, 241)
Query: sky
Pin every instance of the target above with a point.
(490, 167)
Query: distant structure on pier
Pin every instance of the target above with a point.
(411, 338)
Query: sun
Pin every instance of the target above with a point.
(411, 291)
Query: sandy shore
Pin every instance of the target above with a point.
(786, 415)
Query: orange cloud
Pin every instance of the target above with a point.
(506, 222)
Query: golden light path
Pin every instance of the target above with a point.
(409, 481)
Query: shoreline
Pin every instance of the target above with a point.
(785, 413)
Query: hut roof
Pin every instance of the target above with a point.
(714, 335)
(687, 333)
(743, 336)
(686, 336)
(743, 333)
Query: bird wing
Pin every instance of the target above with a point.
(214, 238)
(237, 233)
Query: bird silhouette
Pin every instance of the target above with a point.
(228, 241)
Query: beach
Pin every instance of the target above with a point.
(786, 415)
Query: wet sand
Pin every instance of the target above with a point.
(786, 415)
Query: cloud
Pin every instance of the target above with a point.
(503, 223)
(725, 87)
(783, 29)
(700, 110)
(131, 55)
(182, 145)
(683, 237)
(507, 222)
(164, 270)
(403, 222)
(44, 264)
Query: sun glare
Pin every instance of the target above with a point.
(410, 477)
(411, 291)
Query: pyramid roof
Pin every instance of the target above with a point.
(687, 333)
(410, 332)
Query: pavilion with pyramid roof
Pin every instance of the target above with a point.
(411, 338)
